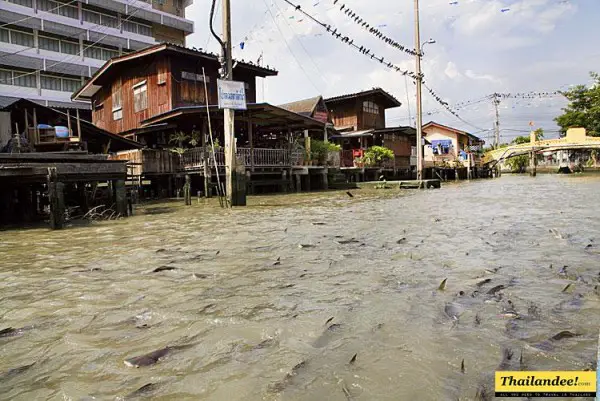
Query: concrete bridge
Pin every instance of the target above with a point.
(576, 138)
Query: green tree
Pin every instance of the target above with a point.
(583, 109)
(520, 140)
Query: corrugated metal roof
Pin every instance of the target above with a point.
(170, 47)
(6, 101)
(391, 100)
(305, 107)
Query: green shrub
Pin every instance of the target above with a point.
(377, 154)
(320, 150)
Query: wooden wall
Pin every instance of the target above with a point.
(350, 113)
(159, 97)
(167, 90)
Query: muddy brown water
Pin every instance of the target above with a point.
(88, 299)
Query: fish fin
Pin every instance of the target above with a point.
(353, 359)
(462, 366)
(442, 286)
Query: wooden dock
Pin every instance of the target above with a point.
(422, 184)
(30, 180)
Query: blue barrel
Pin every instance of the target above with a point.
(61, 132)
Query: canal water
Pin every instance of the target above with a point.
(273, 301)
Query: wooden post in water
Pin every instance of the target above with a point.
(532, 155)
(120, 197)
(205, 161)
(78, 124)
(57, 200)
(251, 140)
(187, 190)
(36, 132)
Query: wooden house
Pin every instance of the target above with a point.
(447, 146)
(138, 86)
(360, 120)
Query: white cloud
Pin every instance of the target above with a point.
(451, 71)
(484, 77)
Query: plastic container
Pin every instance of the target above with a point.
(61, 132)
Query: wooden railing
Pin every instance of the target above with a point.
(257, 157)
(148, 161)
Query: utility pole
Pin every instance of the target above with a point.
(496, 102)
(419, 103)
(230, 160)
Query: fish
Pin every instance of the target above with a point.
(327, 334)
(329, 320)
(318, 224)
(563, 334)
(442, 286)
(207, 307)
(144, 390)
(348, 241)
(462, 366)
(495, 289)
(12, 332)
(218, 252)
(199, 275)
(265, 343)
(557, 234)
(477, 319)
(349, 194)
(353, 359)
(401, 241)
(154, 356)
(164, 268)
(346, 392)
(287, 380)
(306, 246)
(567, 287)
(15, 371)
(483, 282)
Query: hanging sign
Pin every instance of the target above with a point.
(232, 95)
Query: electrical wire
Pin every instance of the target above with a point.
(210, 25)
(289, 48)
(69, 57)
(345, 39)
(33, 16)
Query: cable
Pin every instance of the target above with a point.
(288, 46)
(49, 11)
(301, 44)
(70, 57)
(210, 25)
(374, 31)
(345, 39)
(209, 28)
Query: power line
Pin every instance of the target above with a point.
(27, 18)
(288, 46)
(345, 39)
(372, 30)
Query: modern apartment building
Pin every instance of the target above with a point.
(49, 48)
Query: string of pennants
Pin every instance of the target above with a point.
(347, 40)
(373, 30)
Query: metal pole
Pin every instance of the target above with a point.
(228, 113)
(497, 124)
(419, 103)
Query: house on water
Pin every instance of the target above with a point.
(450, 148)
(360, 120)
(165, 97)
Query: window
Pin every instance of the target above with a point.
(21, 38)
(70, 85)
(5, 77)
(49, 44)
(4, 36)
(91, 16)
(370, 107)
(49, 82)
(130, 26)
(24, 79)
(117, 100)
(144, 30)
(26, 3)
(67, 11)
(192, 87)
(69, 47)
(107, 54)
(110, 21)
(140, 96)
(93, 52)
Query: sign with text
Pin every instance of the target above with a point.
(546, 384)
(232, 95)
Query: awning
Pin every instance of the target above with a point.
(354, 134)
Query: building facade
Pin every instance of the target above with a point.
(446, 145)
(49, 48)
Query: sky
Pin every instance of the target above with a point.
(481, 47)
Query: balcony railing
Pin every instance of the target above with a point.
(257, 157)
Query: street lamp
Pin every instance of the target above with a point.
(429, 42)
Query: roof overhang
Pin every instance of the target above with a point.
(355, 134)
(261, 114)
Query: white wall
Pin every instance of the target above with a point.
(438, 134)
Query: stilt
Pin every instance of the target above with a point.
(83, 201)
(120, 197)
(187, 190)
(239, 181)
(324, 181)
(57, 200)
(298, 178)
(205, 162)
(532, 164)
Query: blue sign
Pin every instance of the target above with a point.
(232, 95)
